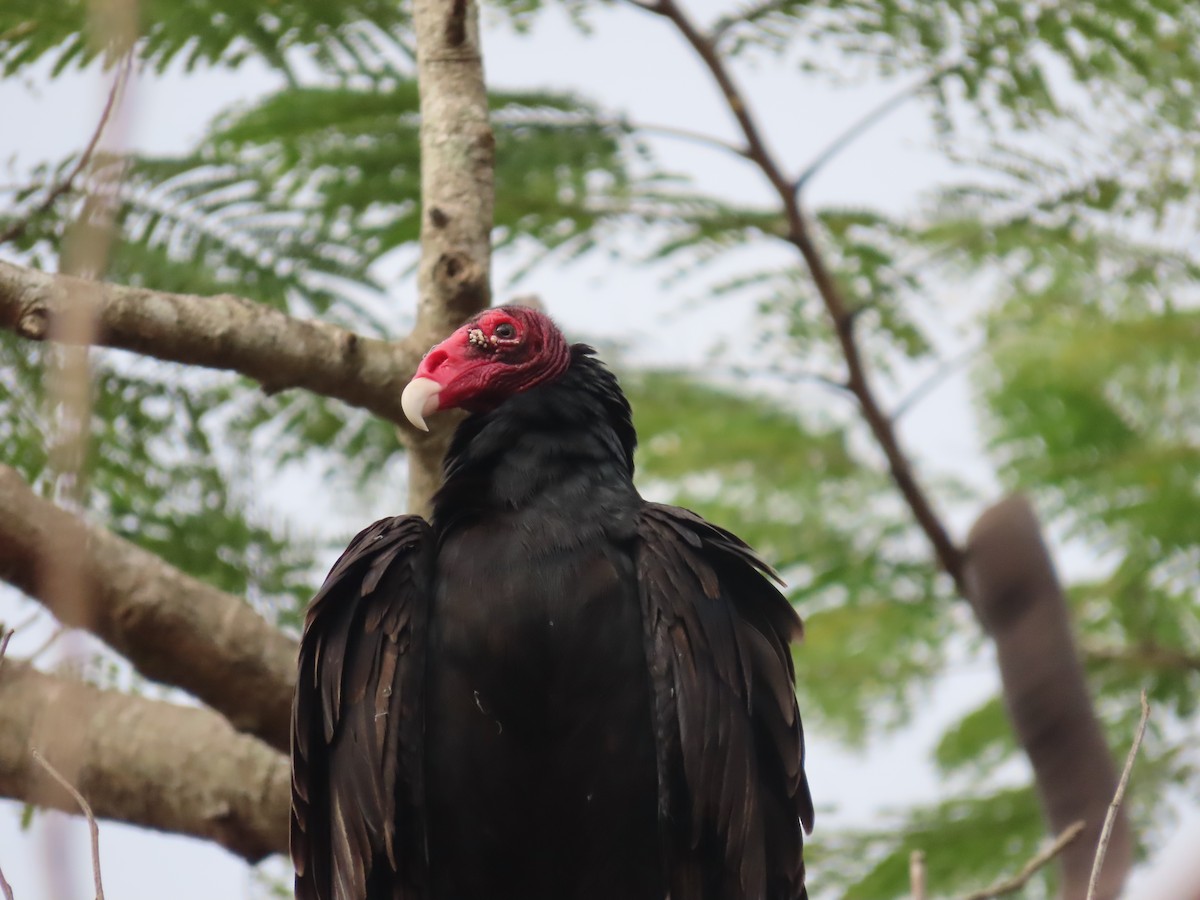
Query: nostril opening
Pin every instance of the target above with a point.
(435, 358)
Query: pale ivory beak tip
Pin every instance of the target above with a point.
(420, 399)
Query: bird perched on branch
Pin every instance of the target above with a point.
(554, 690)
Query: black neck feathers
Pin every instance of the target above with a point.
(557, 446)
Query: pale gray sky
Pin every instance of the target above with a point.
(635, 65)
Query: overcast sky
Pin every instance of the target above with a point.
(632, 64)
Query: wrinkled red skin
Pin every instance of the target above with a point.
(478, 368)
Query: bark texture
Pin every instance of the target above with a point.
(173, 628)
(221, 332)
(142, 761)
(1015, 593)
(457, 197)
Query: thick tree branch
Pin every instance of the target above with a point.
(221, 332)
(457, 197)
(173, 628)
(1016, 596)
(146, 762)
(839, 311)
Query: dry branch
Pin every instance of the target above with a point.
(457, 196)
(173, 628)
(1115, 806)
(81, 802)
(146, 762)
(222, 332)
(1042, 858)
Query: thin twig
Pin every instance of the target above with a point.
(789, 376)
(868, 121)
(687, 134)
(1144, 656)
(916, 874)
(948, 554)
(87, 811)
(1016, 882)
(1111, 817)
(934, 380)
(18, 228)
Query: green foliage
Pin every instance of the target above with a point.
(968, 843)
(979, 742)
(349, 37)
(1002, 57)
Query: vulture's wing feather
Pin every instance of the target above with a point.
(357, 826)
(732, 791)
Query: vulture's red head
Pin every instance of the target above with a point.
(500, 352)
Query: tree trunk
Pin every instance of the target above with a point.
(457, 196)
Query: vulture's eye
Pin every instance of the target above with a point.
(506, 331)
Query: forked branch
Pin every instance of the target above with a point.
(840, 312)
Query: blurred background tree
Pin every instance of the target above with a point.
(1054, 265)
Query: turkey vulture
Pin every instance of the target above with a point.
(554, 690)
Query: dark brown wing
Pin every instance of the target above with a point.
(732, 791)
(358, 825)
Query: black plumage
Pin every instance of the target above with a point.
(555, 691)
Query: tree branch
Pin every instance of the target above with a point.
(18, 228)
(1016, 596)
(840, 313)
(1113, 808)
(221, 332)
(686, 134)
(457, 198)
(93, 828)
(173, 628)
(146, 762)
(1016, 882)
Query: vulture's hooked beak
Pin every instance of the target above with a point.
(420, 399)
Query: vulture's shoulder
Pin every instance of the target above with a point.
(733, 796)
(356, 717)
(370, 553)
(685, 547)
